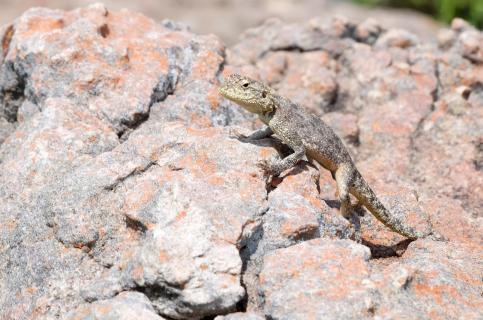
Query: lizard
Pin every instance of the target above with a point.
(309, 137)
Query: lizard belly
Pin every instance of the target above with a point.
(324, 160)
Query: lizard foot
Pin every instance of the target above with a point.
(235, 134)
(268, 167)
(355, 225)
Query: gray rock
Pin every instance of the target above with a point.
(125, 306)
(318, 279)
(6, 128)
(368, 31)
(187, 262)
(26, 111)
(241, 316)
(84, 217)
(397, 38)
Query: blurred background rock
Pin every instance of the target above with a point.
(443, 10)
(229, 18)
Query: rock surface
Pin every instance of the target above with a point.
(238, 15)
(123, 193)
(126, 305)
(319, 279)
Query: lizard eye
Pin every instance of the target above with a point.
(245, 84)
(264, 94)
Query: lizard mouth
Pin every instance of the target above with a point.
(229, 93)
(223, 91)
(244, 102)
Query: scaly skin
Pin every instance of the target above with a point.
(309, 136)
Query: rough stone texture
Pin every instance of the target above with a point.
(203, 16)
(324, 279)
(6, 128)
(93, 201)
(432, 280)
(241, 316)
(320, 279)
(123, 193)
(125, 306)
(410, 113)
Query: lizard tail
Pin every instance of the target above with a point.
(363, 192)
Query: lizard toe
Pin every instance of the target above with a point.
(235, 134)
(267, 167)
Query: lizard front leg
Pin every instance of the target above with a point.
(275, 167)
(256, 135)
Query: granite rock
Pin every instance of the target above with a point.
(241, 316)
(95, 193)
(125, 306)
(317, 279)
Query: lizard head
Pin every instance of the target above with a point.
(252, 95)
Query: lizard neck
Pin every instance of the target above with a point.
(277, 103)
(266, 116)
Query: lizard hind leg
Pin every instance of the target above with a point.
(342, 178)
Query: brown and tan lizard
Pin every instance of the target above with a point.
(307, 135)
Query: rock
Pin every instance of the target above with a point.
(315, 85)
(311, 280)
(402, 202)
(430, 281)
(83, 187)
(240, 15)
(455, 123)
(153, 61)
(295, 213)
(446, 38)
(241, 316)
(126, 305)
(472, 48)
(377, 86)
(317, 279)
(397, 38)
(124, 193)
(462, 39)
(26, 111)
(274, 35)
(199, 272)
(368, 31)
(6, 128)
(459, 24)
